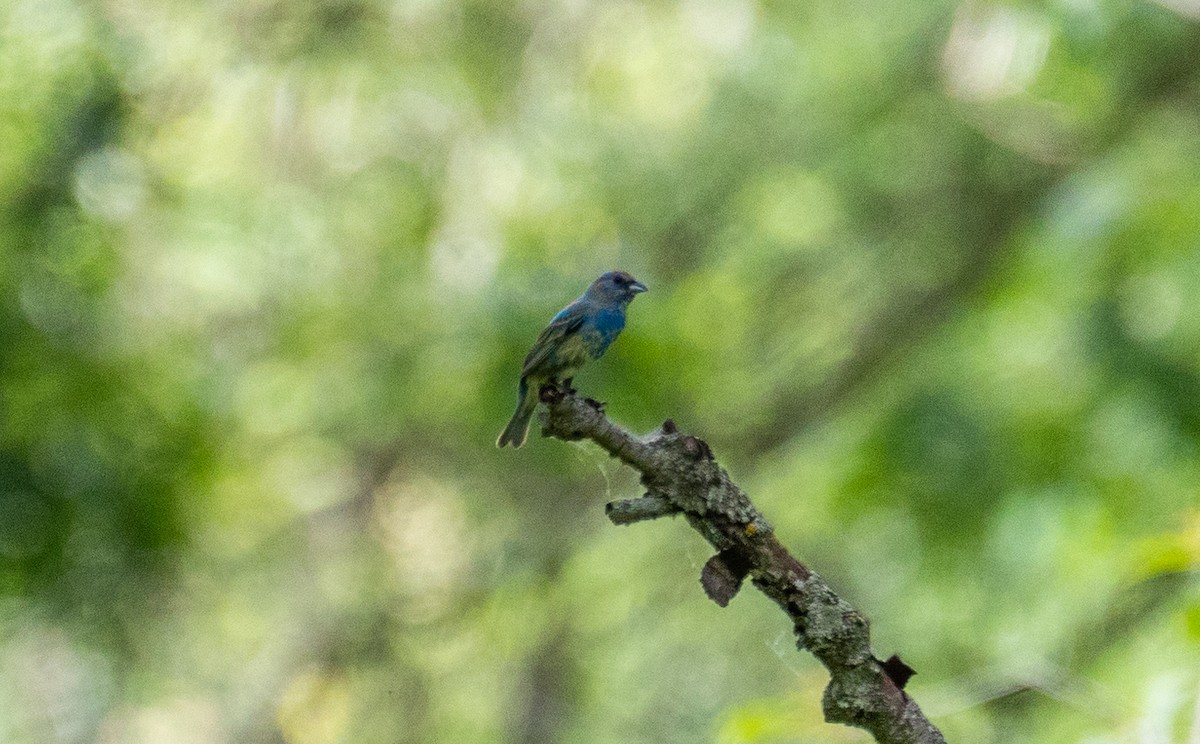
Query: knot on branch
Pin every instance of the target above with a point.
(897, 671)
(722, 575)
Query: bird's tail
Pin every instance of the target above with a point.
(518, 425)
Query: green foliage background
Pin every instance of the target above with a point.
(922, 273)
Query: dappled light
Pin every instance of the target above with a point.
(923, 275)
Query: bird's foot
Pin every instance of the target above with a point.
(597, 404)
(550, 393)
(567, 386)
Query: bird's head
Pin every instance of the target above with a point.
(615, 286)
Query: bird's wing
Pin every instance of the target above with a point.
(567, 322)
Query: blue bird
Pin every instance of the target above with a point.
(581, 332)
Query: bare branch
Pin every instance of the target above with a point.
(681, 477)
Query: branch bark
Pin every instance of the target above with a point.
(682, 477)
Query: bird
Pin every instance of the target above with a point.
(581, 332)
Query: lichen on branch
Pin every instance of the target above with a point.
(682, 476)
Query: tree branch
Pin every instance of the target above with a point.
(681, 477)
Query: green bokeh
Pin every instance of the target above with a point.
(923, 274)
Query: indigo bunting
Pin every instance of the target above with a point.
(581, 332)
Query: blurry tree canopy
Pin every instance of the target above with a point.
(920, 275)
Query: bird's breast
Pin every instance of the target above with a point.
(610, 321)
(601, 331)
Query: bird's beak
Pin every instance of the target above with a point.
(637, 287)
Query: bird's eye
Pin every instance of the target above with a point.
(619, 279)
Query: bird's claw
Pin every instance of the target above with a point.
(550, 394)
(597, 404)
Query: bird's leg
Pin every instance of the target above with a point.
(567, 386)
(549, 393)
